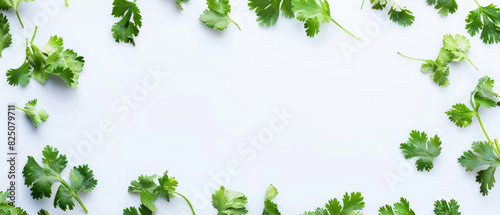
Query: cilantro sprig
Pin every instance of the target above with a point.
(43, 61)
(314, 13)
(36, 116)
(442, 207)
(271, 208)
(150, 191)
(127, 28)
(445, 7)
(426, 149)
(455, 48)
(142, 210)
(484, 153)
(216, 16)
(484, 19)
(41, 179)
(397, 13)
(5, 36)
(400, 208)
(351, 204)
(268, 11)
(7, 4)
(228, 202)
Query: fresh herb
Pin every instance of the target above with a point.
(445, 7)
(484, 19)
(422, 147)
(217, 15)
(400, 208)
(314, 13)
(268, 11)
(127, 28)
(7, 4)
(41, 179)
(442, 207)
(143, 210)
(270, 208)
(36, 116)
(179, 3)
(5, 36)
(454, 49)
(149, 191)
(397, 13)
(486, 153)
(352, 204)
(229, 202)
(42, 61)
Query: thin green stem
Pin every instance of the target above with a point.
(234, 22)
(34, 34)
(73, 193)
(362, 4)
(343, 28)
(477, 3)
(19, 18)
(470, 61)
(67, 3)
(189, 203)
(402, 55)
(20, 109)
(493, 144)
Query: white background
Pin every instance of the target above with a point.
(351, 115)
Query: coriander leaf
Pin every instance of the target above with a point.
(461, 115)
(7, 4)
(400, 208)
(400, 15)
(5, 36)
(270, 208)
(425, 149)
(483, 154)
(484, 94)
(229, 202)
(6, 207)
(445, 7)
(179, 2)
(36, 116)
(442, 207)
(314, 13)
(41, 179)
(216, 16)
(43, 212)
(268, 11)
(352, 204)
(143, 210)
(378, 4)
(20, 76)
(484, 19)
(438, 69)
(127, 28)
(459, 46)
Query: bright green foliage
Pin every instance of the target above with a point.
(351, 204)
(7, 4)
(445, 7)
(400, 208)
(484, 19)
(229, 202)
(442, 207)
(179, 3)
(270, 208)
(143, 210)
(41, 179)
(5, 36)
(6, 208)
(149, 190)
(36, 116)
(483, 154)
(314, 13)
(127, 28)
(397, 13)
(459, 46)
(422, 147)
(268, 11)
(217, 15)
(51, 59)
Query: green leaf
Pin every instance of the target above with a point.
(43, 212)
(484, 94)
(458, 46)
(425, 149)
(271, 208)
(484, 19)
(7, 4)
(378, 4)
(400, 208)
(5, 36)
(445, 7)
(20, 76)
(442, 207)
(143, 210)
(461, 115)
(127, 28)
(41, 179)
(351, 204)
(217, 15)
(268, 11)
(36, 116)
(229, 202)
(483, 154)
(400, 15)
(179, 3)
